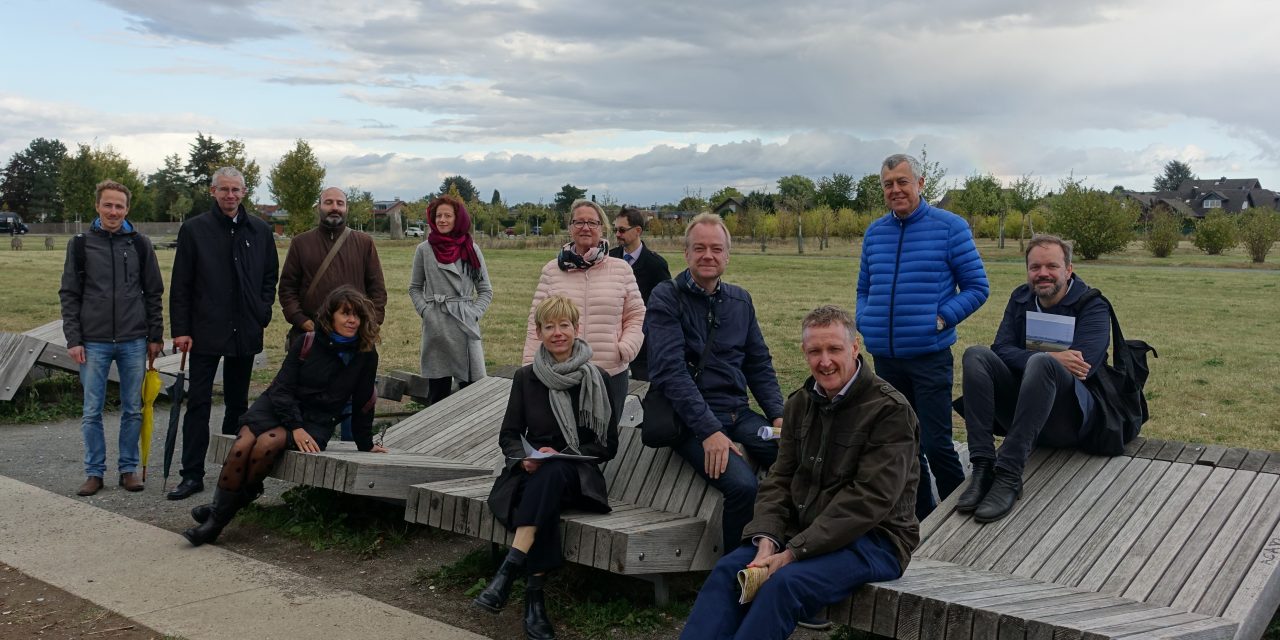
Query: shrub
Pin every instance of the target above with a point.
(1259, 229)
(1163, 234)
(1095, 221)
(1215, 234)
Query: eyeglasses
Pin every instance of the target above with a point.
(235, 191)
(622, 230)
(586, 224)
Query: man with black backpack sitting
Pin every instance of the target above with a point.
(1038, 383)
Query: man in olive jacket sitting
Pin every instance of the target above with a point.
(838, 508)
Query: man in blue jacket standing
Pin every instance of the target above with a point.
(920, 276)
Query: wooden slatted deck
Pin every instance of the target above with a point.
(1168, 541)
(666, 519)
(45, 345)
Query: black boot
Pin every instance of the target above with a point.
(979, 484)
(202, 512)
(999, 501)
(495, 595)
(536, 624)
(224, 507)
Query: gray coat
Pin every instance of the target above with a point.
(451, 299)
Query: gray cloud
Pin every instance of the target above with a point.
(205, 21)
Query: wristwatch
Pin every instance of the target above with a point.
(942, 324)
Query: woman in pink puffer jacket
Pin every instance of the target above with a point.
(605, 291)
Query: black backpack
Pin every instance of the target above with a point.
(1119, 385)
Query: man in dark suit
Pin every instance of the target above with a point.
(649, 268)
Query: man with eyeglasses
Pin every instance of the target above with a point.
(648, 267)
(220, 299)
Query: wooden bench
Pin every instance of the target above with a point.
(1168, 541)
(665, 518)
(445, 441)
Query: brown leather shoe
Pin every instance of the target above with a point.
(92, 485)
(130, 482)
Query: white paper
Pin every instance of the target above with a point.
(533, 454)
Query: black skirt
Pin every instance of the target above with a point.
(261, 418)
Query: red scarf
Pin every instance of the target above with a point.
(456, 244)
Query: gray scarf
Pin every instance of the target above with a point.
(593, 398)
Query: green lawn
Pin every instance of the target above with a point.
(1212, 318)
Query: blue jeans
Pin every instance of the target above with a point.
(795, 592)
(926, 382)
(738, 482)
(131, 362)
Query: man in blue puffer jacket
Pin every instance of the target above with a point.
(920, 276)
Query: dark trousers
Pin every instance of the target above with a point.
(616, 387)
(545, 493)
(795, 592)
(440, 388)
(738, 482)
(926, 382)
(1040, 408)
(195, 426)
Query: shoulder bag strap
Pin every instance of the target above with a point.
(324, 266)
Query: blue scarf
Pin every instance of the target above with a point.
(344, 345)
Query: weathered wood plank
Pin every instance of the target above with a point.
(1233, 457)
(1254, 460)
(1212, 454)
(1186, 542)
(1272, 465)
(1170, 451)
(1040, 512)
(1116, 568)
(1220, 546)
(1143, 497)
(1190, 453)
(1150, 448)
(1135, 445)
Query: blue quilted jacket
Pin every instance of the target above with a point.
(913, 271)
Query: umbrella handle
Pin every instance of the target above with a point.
(182, 366)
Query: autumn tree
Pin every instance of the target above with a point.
(295, 184)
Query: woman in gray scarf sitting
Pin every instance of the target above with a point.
(558, 404)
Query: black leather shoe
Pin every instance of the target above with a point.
(536, 624)
(1004, 493)
(979, 484)
(495, 595)
(187, 488)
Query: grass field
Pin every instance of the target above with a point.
(1213, 319)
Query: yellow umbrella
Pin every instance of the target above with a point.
(150, 390)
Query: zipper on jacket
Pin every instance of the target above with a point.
(893, 288)
(111, 249)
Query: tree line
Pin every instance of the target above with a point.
(45, 182)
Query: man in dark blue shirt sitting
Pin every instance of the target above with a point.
(1030, 385)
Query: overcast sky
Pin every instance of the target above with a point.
(645, 100)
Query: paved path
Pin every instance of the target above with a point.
(153, 576)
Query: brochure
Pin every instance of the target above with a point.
(1049, 331)
(533, 454)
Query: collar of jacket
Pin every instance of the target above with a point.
(684, 282)
(333, 232)
(861, 383)
(1023, 294)
(240, 219)
(126, 228)
(920, 211)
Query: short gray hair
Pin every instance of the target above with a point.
(708, 219)
(227, 172)
(896, 159)
(1045, 240)
(828, 315)
(583, 202)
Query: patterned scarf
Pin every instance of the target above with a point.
(593, 397)
(455, 245)
(569, 260)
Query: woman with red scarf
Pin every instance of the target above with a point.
(450, 290)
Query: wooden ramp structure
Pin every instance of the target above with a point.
(665, 518)
(46, 346)
(1167, 541)
(454, 438)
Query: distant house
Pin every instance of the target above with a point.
(384, 208)
(730, 205)
(275, 216)
(1197, 198)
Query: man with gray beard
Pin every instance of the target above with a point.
(323, 259)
